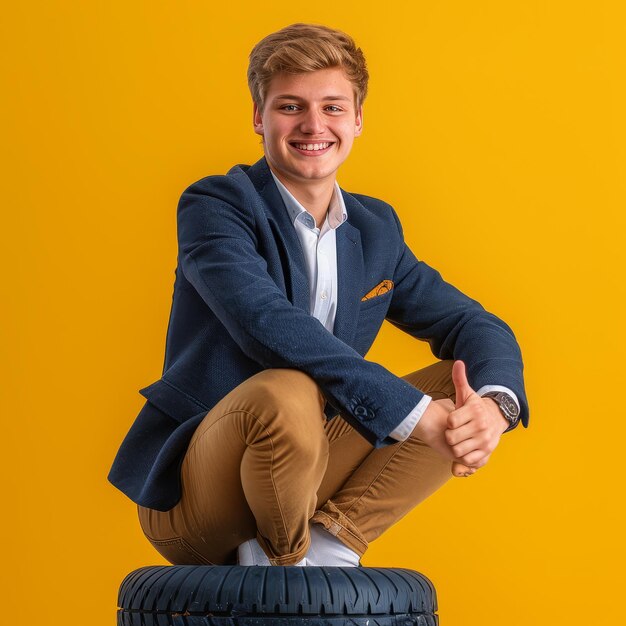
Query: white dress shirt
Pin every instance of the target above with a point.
(320, 254)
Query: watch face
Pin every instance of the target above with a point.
(510, 406)
(506, 404)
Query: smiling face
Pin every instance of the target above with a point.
(308, 125)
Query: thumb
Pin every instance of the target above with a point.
(461, 386)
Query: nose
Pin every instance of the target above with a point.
(312, 122)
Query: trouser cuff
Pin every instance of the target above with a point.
(341, 526)
(285, 559)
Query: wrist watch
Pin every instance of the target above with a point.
(507, 407)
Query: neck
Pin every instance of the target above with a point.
(314, 196)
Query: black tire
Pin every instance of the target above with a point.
(229, 595)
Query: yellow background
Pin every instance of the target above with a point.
(496, 130)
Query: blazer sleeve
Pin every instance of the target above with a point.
(218, 254)
(456, 326)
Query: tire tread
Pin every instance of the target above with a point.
(220, 595)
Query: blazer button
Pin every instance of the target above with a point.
(363, 412)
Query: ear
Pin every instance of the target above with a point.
(358, 122)
(257, 119)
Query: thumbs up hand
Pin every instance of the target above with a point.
(463, 393)
(474, 427)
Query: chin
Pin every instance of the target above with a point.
(317, 175)
(321, 170)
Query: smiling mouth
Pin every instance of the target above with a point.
(312, 148)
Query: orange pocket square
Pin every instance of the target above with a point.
(379, 290)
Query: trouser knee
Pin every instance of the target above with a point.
(442, 385)
(435, 380)
(291, 405)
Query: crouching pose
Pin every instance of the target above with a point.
(269, 439)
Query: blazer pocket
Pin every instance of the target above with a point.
(382, 288)
(172, 401)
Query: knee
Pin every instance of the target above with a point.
(289, 390)
(292, 406)
(442, 385)
(435, 380)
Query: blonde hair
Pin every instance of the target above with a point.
(301, 48)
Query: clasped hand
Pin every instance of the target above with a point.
(466, 433)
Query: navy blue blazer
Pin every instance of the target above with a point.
(241, 305)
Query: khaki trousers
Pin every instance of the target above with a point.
(265, 462)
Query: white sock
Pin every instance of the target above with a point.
(251, 553)
(326, 549)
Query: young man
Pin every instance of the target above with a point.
(269, 439)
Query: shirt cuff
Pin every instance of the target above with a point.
(483, 390)
(406, 426)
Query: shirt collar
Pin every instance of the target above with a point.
(336, 215)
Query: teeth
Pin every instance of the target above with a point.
(312, 146)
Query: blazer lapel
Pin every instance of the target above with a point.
(294, 265)
(349, 253)
(349, 279)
